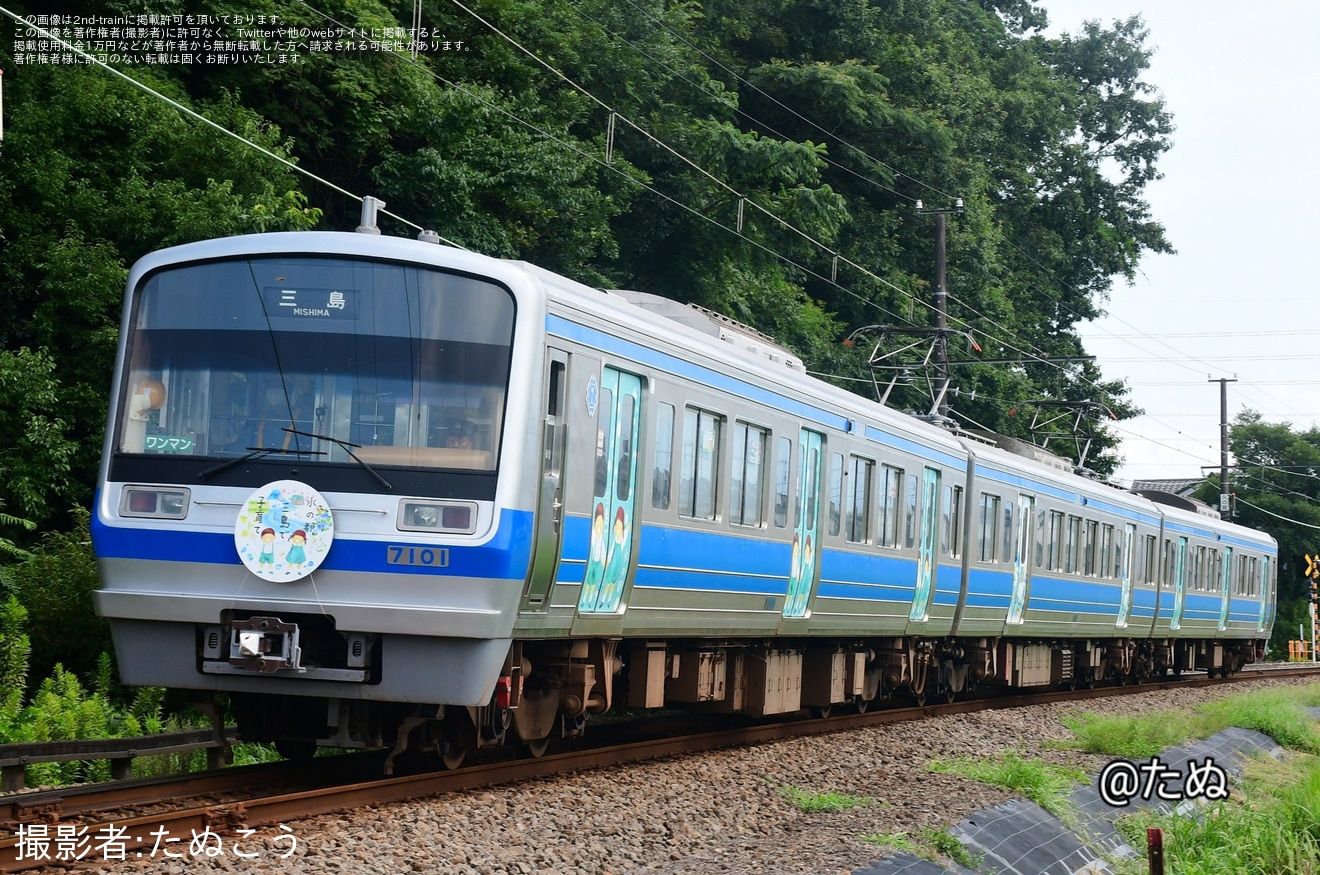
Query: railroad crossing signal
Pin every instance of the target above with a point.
(1312, 566)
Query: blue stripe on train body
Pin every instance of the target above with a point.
(505, 555)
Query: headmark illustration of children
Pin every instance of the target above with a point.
(297, 556)
(267, 557)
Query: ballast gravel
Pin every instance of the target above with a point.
(722, 812)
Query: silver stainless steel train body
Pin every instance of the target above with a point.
(369, 486)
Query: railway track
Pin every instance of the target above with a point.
(147, 814)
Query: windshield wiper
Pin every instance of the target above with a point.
(346, 447)
(255, 453)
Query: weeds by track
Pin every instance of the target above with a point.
(247, 797)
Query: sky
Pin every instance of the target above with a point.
(1238, 201)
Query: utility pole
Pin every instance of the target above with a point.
(941, 303)
(1225, 512)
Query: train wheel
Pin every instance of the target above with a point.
(299, 750)
(535, 749)
(457, 737)
(820, 711)
(862, 704)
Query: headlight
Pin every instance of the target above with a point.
(459, 518)
(155, 502)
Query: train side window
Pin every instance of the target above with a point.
(664, 456)
(859, 499)
(988, 536)
(783, 465)
(1089, 546)
(1198, 567)
(891, 489)
(1149, 568)
(745, 502)
(1106, 551)
(1073, 547)
(700, 468)
(836, 492)
(1055, 561)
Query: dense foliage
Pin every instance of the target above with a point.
(1275, 486)
(717, 152)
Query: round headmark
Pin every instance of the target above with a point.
(284, 530)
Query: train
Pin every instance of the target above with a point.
(365, 491)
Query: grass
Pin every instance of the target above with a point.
(807, 800)
(1045, 784)
(1269, 826)
(1278, 712)
(1271, 822)
(929, 844)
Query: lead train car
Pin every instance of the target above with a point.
(380, 491)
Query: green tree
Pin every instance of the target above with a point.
(96, 174)
(1276, 488)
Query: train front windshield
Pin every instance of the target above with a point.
(305, 357)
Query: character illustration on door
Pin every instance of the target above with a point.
(609, 553)
(1179, 576)
(802, 562)
(930, 493)
(1125, 599)
(1017, 603)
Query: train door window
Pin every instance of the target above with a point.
(700, 464)
(861, 472)
(1149, 568)
(664, 456)
(746, 500)
(603, 425)
(988, 536)
(1042, 535)
(783, 465)
(954, 519)
(624, 456)
(1106, 551)
(1089, 546)
(836, 493)
(1198, 569)
(1008, 532)
(910, 513)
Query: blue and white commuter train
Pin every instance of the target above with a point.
(384, 492)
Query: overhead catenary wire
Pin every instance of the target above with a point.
(787, 225)
(197, 116)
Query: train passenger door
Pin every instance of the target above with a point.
(1179, 583)
(1225, 591)
(1125, 573)
(930, 514)
(806, 538)
(609, 553)
(550, 506)
(1017, 603)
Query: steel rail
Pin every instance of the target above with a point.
(227, 818)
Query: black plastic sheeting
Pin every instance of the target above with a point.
(1021, 838)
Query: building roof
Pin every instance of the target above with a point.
(1183, 486)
